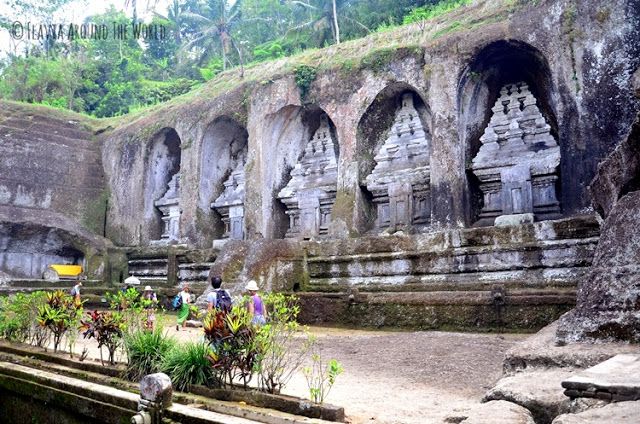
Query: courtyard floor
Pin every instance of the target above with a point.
(397, 377)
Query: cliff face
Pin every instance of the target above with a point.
(52, 190)
(578, 59)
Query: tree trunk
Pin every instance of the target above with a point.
(335, 22)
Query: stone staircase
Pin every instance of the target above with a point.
(171, 267)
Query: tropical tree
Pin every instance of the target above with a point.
(215, 23)
(324, 16)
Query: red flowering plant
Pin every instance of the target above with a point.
(107, 328)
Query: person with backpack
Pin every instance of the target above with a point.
(181, 303)
(218, 298)
(256, 305)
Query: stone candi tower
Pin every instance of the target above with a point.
(310, 194)
(517, 164)
(230, 204)
(170, 208)
(400, 180)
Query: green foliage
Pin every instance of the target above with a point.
(189, 364)
(378, 60)
(132, 307)
(433, 10)
(270, 50)
(153, 92)
(320, 376)
(233, 339)
(213, 68)
(108, 77)
(280, 357)
(145, 352)
(18, 314)
(107, 328)
(60, 313)
(304, 75)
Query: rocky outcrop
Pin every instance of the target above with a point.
(539, 391)
(619, 413)
(498, 412)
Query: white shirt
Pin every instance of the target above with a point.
(186, 297)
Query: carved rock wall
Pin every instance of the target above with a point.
(582, 86)
(52, 191)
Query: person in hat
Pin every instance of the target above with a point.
(149, 302)
(256, 306)
(75, 292)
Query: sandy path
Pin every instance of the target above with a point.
(398, 377)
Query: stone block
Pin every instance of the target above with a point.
(156, 388)
(539, 391)
(618, 413)
(616, 379)
(515, 219)
(498, 412)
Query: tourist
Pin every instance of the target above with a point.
(218, 298)
(150, 301)
(183, 311)
(256, 306)
(75, 292)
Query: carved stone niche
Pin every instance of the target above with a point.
(170, 209)
(400, 181)
(517, 164)
(310, 194)
(230, 204)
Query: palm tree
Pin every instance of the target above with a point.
(216, 23)
(325, 14)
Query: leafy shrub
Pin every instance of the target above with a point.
(153, 92)
(270, 50)
(107, 328)
(320, 376)
(433, 10)
(59, 314)
(145, 352)
(279, 356)
(213, 68)
(18, 314)
(304, 75)
(190, 363)
(132, 307)
(233, 339)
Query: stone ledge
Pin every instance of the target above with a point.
(618, 413)
(540, 351)
(616, 379)
(539, 391)
(275, 409)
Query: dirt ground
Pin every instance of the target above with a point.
(397, 377)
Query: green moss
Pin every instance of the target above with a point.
(457, 25)
(304, 75)
(603, 14)
(232, 270)
(378, 60)
(95, 212)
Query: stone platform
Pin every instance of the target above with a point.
(514, 277)
(616, 379)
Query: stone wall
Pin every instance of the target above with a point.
(581, 80)
(53, 196)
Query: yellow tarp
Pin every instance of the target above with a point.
(67, 270)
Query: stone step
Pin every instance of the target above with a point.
(195, 266)
(147, 262)
(523, 278)
(150, 273)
